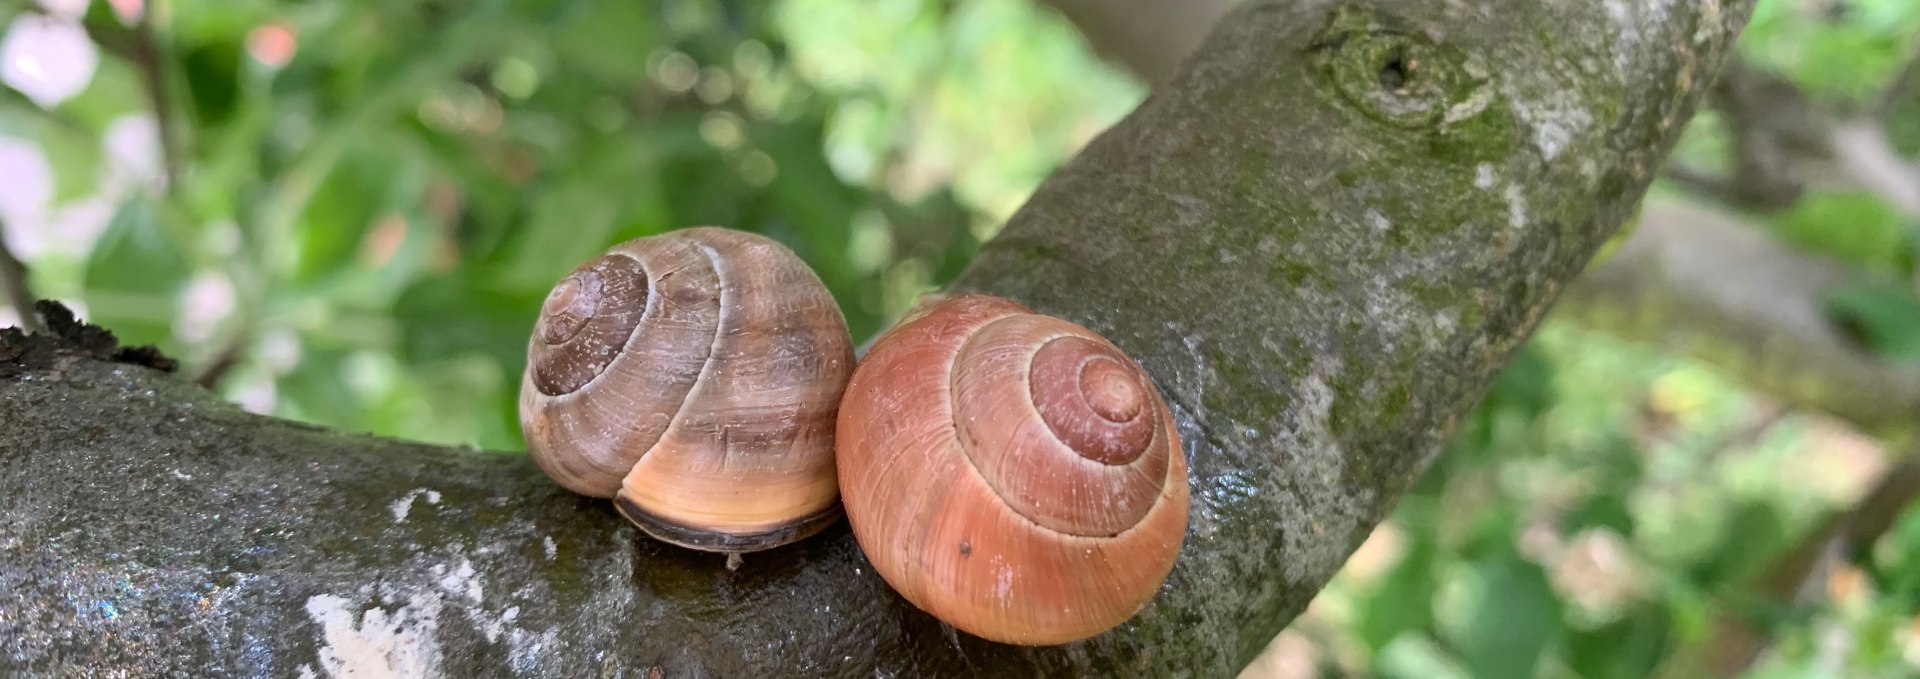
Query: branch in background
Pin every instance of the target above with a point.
(1862, 149)
(150, 57)
(1704, 183)
(140, 46)
(225, 360)
(1773, 128)
(1150, 38)
(13, 282)
(1781, 142)
(1738, 634)
(1706, 283)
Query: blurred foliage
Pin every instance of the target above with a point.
(353, 209)
(372, 198)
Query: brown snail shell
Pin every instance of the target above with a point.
(694, 377)
(1014, 474)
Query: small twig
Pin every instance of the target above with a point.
(224, 361)
(1708, 184)
(140, 46)
(1735, 639)
(13, 278)
(151, 63)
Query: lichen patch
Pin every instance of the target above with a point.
(459, 579)
(404, 505)
(376, 644)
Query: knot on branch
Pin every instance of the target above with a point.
(1394, 74)
(67, 339)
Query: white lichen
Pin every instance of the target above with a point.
(404, 505)
(459, 579)
(1516, 207)
(1470, 107)
(376, 644)
(1556, 116)
(1634, 20)
(1378, 220)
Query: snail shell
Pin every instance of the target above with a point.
(1013, 474)
(694, 377)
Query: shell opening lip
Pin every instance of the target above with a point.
(731, 543)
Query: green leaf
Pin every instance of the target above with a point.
(134, 276)
(457, 316)
(1403, 601)
(1627, 649)
(1755, 534)
(317, 390)
(1882, 316)
(1502, 618)
(1414, 656)
(213, 80)
(611, 41)
(1851, 225)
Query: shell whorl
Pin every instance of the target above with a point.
(1014, 474)
(1062, 463)
(695, 375)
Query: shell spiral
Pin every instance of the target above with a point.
(694, 377)
(1013, 474)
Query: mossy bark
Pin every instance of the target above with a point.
(1323, 238)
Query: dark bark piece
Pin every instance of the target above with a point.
(1322, 239)
(67, 340)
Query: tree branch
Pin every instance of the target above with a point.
(150, 59)
(1773, 128)
(1147, 37)
(1739, 632)
(1322, 266)
(1707, 284)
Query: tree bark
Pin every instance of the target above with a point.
(1323, 238)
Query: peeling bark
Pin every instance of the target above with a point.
(1323, 238)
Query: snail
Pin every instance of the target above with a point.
(1015, 475)
(693, 377)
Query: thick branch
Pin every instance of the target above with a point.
(1703, 282)
(1322, 251)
